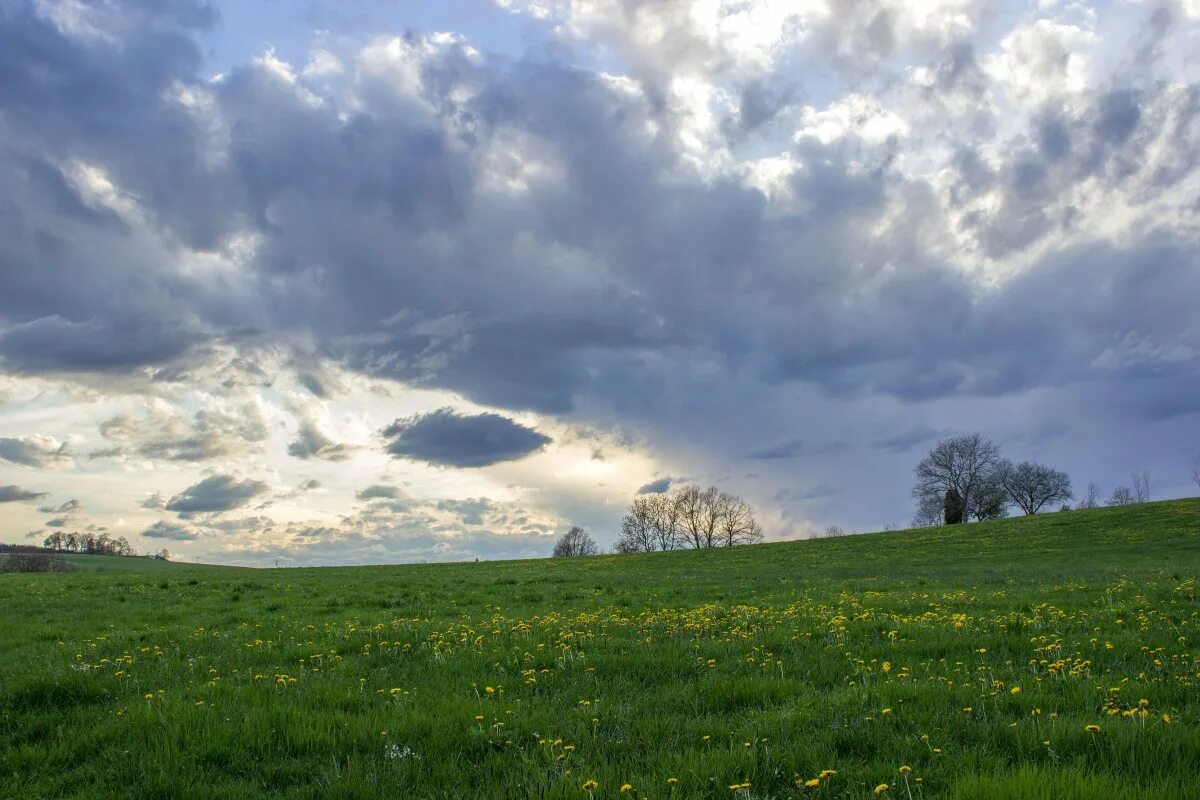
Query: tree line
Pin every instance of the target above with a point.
(683, 519)
(965, 478)
(88, 543)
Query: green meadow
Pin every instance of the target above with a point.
(1055, 656)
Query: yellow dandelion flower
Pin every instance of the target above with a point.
(881, 788)
(904, 770)
(590, 786)
(1092, 728)
(626, 788)
(827, 774)
(672, 781)
(1015, 690)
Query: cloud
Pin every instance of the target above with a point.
(379, 492)
(310, 442)
(154, 501)
(72, 506)
(788, 448)
(15, 494)
(170, 530)
(657, 486)
(34, 451)
(166, 433)
(215, 494)
(906, 440)
(448, 438)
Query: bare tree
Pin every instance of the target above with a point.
(688, 517)
(652, 523)
(735, 521)
(637, 527)
(698, 516)
(1196, 471)
(1092, 500)
(929, 512)
(575, 542)
(1141, 485)
(964, 464)
(833, 531)
(1122, 496)
(1031, 486)
(991, 500)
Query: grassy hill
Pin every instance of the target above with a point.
(1048, 657)
(86, 563)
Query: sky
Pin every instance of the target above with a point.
(371, 282)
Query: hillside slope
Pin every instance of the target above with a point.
(1048, 657)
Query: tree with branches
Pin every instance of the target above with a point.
(575, 542)
(1032, 486)
(964, 464)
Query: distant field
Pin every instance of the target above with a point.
(122, 564)
(1048, 657)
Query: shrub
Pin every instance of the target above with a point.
(34, 562)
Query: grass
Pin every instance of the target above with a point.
(974, 656)
(86, 563)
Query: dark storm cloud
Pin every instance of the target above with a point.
(215, 494)
(676, 266)
(448, 438)
(33, 451)
(15, 494)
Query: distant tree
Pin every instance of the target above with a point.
(651, 523)
(637, 527)
(991, 499)
(1092, 500)
(735, 521)
(1141, 486)
(929, 512)
(163, 555)
(1196, 472)
(689, 517)
(952, 507)
(575, 542)
(1122, 496)
(1032, 486)
(833, 531)
(964, 464)
(698, 516)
